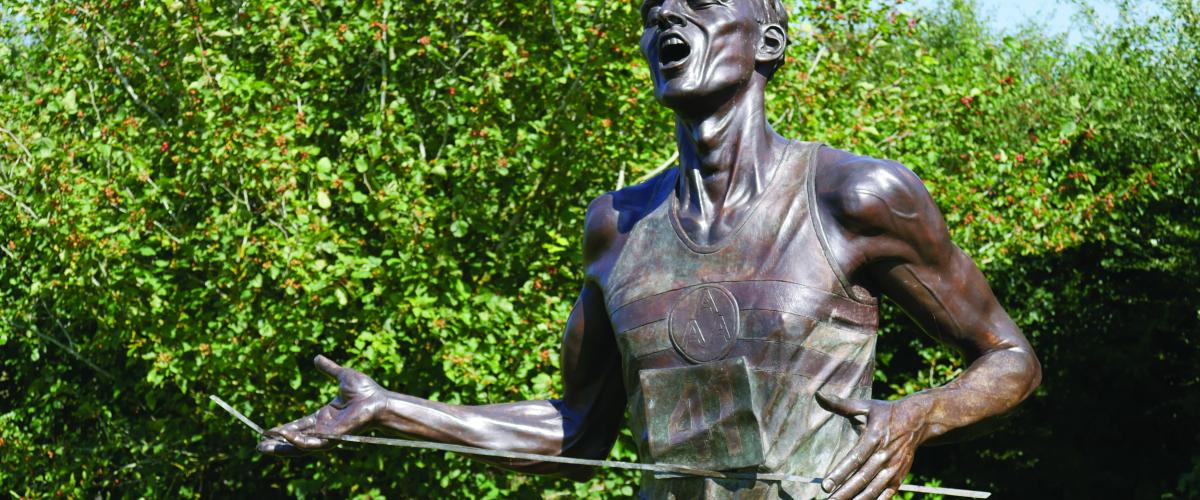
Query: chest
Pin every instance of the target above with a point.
(776, 241)
(758, 294)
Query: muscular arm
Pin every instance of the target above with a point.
(889, 235)
(583, 424)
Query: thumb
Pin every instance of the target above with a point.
(328, 366)
(845, 407)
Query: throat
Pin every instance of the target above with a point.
(711, 207)
(728, 155)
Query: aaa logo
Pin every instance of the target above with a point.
(704, 323)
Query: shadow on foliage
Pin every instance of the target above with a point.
(1115, 415)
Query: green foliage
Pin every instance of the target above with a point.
(197, 197)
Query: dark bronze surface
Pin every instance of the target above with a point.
(730, 302)
(704, 323)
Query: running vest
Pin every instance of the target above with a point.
(724, 346)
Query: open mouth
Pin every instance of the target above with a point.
(672, 50)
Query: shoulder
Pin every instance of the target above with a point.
(870, 195)
(614, 213)
(599, 227)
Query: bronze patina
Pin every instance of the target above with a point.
(730, 304)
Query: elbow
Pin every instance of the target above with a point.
(589, 432)
(1033, 373)
(1021, 372)
(596, 445)
(1014, 373)
(572, 472)
(579, 473)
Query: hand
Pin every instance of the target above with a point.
(877, 465)
(358, 405)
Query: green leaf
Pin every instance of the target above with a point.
(68, 102)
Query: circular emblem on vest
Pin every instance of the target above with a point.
(704, 323)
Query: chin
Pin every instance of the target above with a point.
(686, 92)
(678, 92)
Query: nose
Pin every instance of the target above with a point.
(667, 15)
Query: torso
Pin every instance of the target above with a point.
(724, 345)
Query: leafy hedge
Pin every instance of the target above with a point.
(197, 197)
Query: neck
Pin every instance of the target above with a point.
(726, 155)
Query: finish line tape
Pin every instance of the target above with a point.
(660, 470)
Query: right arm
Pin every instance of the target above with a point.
(583, 424)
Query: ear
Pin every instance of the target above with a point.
(772, 44)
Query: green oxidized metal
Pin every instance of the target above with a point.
(702, 416)
(724, 346)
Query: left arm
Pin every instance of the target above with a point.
(891, 235)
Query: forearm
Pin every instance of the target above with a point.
(584, 424)
(527, 426)
(962, 312)
(586, 428)
(992, 385)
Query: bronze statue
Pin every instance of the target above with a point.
(731, 302)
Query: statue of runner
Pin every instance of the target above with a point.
(730, 303)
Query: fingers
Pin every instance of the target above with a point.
(899, 474)
(328, 366)
(861, 452)
(298, 426)
(294, 438)
(307, 443)
(279, 447)
(857, 484)
(844, 407)
(881, 476)
(295, 433)
(875, 490)
(279, 440)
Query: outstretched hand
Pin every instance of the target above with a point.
(877, 465)
(357, 406)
